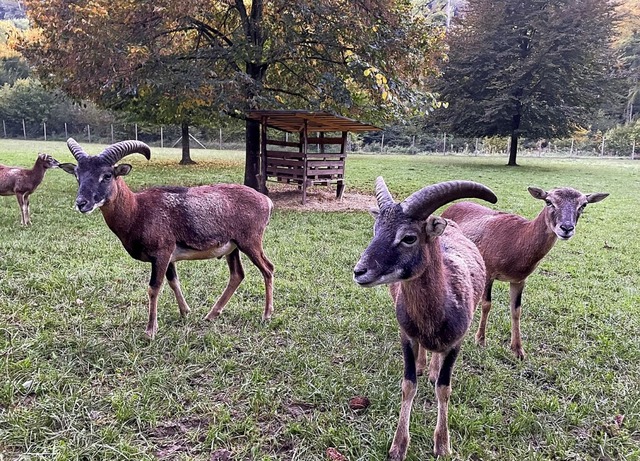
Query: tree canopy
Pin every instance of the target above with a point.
(627, 46)
(535, 68)
(200, 59)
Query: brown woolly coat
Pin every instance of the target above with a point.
(437, 306)
(511, 245)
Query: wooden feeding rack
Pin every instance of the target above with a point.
(316, 157)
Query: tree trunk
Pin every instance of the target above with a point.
(186, 154)
(256, 71)
(513, 147)
(252, 176)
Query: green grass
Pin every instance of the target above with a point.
(78, 380)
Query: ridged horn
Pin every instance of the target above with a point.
(422, 203)
(115, 152)
(382, 194)
(75, 149)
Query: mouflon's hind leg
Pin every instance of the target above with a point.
(257, 257)
(486, 308)
(515, 303)
(236, 275)
(174, 283)
(159, 267)
(421, 361)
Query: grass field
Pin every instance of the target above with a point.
(79, 381)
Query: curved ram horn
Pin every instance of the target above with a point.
(422, 203)
(75, 149)
(116, 151)
(382, 194)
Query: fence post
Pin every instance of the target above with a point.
(24, 130)
(44, 126)
(112, 133)
(89, 132)
(602, 147)
(161, 138)
(136, 130)
(571, 151)
(382, 143)
(66, 134)
(444, 143)
(4, 129)
(220, 138)
(633, 149)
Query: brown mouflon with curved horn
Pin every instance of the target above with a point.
(163, 225)
(512, 246)
(21, 182)
(435, 276)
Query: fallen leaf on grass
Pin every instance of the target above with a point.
(359, 402)
(335, 455)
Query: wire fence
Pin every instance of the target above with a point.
(154, 135)
(232, 138)
(446, 144)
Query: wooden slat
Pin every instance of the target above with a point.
(283, 162)
(328, 155)
(332, 171)
(313, 182)
(324, 164)
(283, 154)
(325, 140)
(276, 142)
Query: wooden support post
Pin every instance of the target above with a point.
(263, 150)
(66, 133)
(633, 150)
(44, 129)
(305, 150)
(24, 129)
(343, 152)
(161, 137)
(4, 129)
(136, 130)
(602, 147)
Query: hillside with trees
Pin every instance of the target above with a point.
(535, 69)
(180, 80)
(171, 61)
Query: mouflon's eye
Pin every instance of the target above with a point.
(409, 239)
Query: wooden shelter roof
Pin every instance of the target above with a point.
(293, 121)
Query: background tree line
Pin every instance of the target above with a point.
(562, 68)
